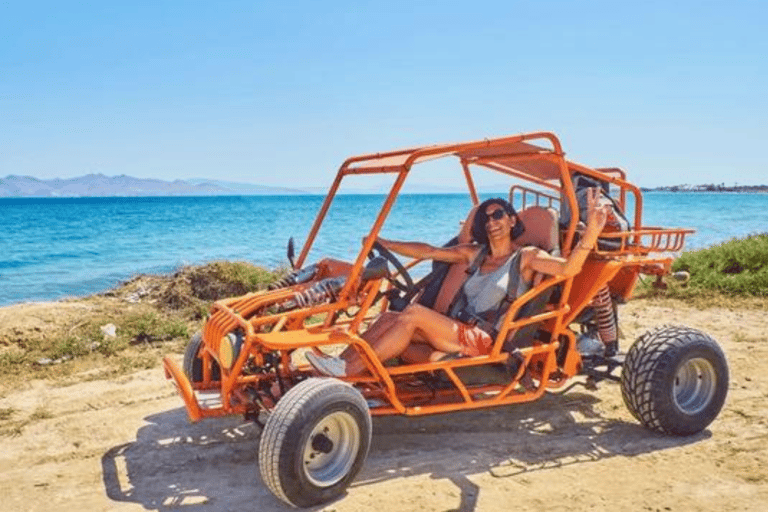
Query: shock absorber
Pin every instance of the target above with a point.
(301, 275)
(319, 293)
(606, 319)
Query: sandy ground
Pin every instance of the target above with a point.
(127, 445)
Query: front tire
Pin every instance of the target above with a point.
(193, 363)
(675, 380)
(315, 442)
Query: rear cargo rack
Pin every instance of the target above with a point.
(641, 241)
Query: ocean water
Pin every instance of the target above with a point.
(55, 248)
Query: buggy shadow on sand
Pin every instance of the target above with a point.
(210, 465)
(248, 359)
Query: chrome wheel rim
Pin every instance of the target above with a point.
(331, 449)
(694, 385)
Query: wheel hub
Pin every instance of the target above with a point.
(694, 385)
(321, 443)
(331, 449)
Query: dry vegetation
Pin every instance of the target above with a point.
(152, 315)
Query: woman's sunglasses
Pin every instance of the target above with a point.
(497, 214)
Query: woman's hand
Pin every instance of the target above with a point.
(383, 241)
(597, 214)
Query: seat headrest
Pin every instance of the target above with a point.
(541, 228)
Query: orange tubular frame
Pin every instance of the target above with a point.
(545, 363)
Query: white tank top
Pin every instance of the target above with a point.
(486, 291)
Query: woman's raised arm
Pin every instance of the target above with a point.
(540, 261)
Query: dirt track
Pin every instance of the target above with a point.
(127, 445)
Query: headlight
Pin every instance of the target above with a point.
(229, 349)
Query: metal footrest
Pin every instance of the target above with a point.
(600, 368)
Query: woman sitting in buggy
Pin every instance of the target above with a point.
(418, 333)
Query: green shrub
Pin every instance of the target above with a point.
(69, 346)
(13, 359)
(738, 266)
(151, 326)
(245, 274)
(222, 279)
(192, 289)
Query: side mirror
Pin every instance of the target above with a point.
(291, 253)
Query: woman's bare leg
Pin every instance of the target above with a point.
(374, 331)
(417, 352)
(381, 325)
(438, 330)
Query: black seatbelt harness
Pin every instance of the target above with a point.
(486, 320)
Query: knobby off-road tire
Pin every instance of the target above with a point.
(193, 363)
(315, 442)
(674, 380)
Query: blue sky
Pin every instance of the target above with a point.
(279, 93)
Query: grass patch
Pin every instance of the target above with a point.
(233, 276)
(733, 274)
(152, 315)
(151, 326)
(15, 428)
(12, 429)
(143, 334)
(736, 267)
(41, 413)
(192, 289)
(740, 337)
(13, 359)
(142, 327)
(696, 297)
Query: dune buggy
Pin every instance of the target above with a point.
(248, 359)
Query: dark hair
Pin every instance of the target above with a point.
(479, 233)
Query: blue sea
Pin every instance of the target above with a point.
(56, 248)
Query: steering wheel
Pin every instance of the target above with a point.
(402, 281)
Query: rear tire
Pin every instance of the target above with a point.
(315, 442)
(193, 363)
(675, 380)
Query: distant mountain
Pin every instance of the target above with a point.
(246, 188)
(99, 185)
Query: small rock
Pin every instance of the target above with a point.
(109, 330)
(44, 361)
(93, 346)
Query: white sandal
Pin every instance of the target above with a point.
(326, 365)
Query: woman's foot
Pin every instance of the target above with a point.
(326, 365)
